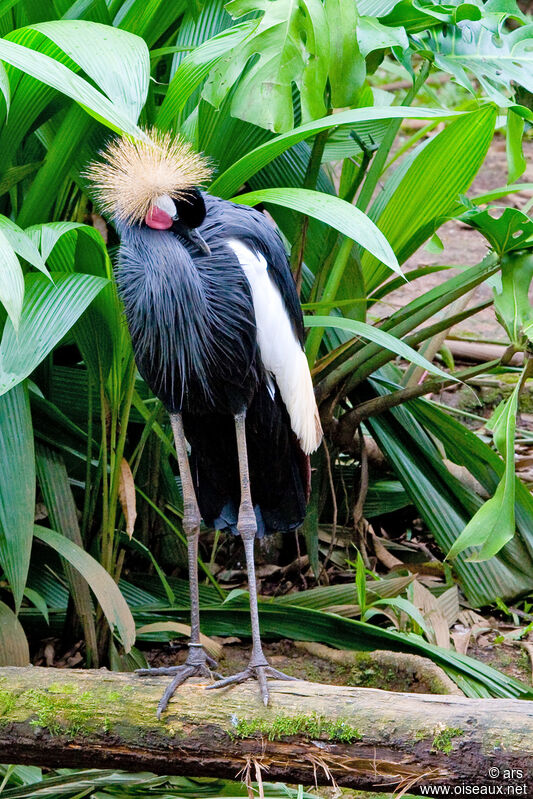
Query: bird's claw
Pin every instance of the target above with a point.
(180, 675)
(258, 672)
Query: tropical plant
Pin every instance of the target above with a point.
(282, 98)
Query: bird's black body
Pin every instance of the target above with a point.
(192, 323)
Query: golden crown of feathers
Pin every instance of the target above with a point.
(132, 173)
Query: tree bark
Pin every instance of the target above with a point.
(357, 737)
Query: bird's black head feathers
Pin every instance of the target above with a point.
(190, 208)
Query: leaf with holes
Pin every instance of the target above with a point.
(495, 60)
(504, 228)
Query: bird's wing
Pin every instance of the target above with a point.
(281, 352)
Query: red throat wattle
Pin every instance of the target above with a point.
(158, 219)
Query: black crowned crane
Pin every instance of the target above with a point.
(217, 333)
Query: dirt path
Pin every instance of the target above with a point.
(464, 246)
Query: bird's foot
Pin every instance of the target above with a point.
(259, 671)
(198, 664)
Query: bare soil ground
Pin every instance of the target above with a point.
(464, 246)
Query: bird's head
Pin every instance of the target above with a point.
(152, 181)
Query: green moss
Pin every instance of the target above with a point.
(63, 710)
(7, 702)
(311, 726)
(444, 739)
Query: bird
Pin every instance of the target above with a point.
(217, 333)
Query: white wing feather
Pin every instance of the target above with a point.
(280, 350)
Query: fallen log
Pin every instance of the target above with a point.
(357, 737)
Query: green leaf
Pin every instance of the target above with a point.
(195, 68)
(347, 69)
(17, 487)
(360, 582)
(22, 244)
(495, 60)
(48, 312)
(508, 574)
(372, 35)
(378, 336)
(57, 494)
(403, 605)
(516, 162)
(36, 599)
(15, 174)
(511, 302)
(52, 73)
(102, 584)
(117, 61)
(232, 179)
(494, 523)
(424, 190)
(504, 228)
(290, 45)
(14, 649)
(11, 281)
(337, 213)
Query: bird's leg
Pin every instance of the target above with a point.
(258, 666)
(198, 661)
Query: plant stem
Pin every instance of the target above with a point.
(310, 181)
(87, 495)
(330, 291)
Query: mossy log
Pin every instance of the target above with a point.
(358, 737)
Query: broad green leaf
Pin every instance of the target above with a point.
(11, 280)
(378, 336)
(193, 70)
(48, 312)
(511, 301)
(290, 45)
(337, 213)
(347, 69)
(324, 596)
(56, 75)
(504, 228)
(372, 35)
(495, 61)
(117, 61)
(17, 487)
(22, 244)
(424, 190)
(305, 624)
(102, 584)
(233, 178)
(14, 649)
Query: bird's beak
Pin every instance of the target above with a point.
(196, 238)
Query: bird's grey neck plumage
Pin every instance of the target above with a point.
(190, 317)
